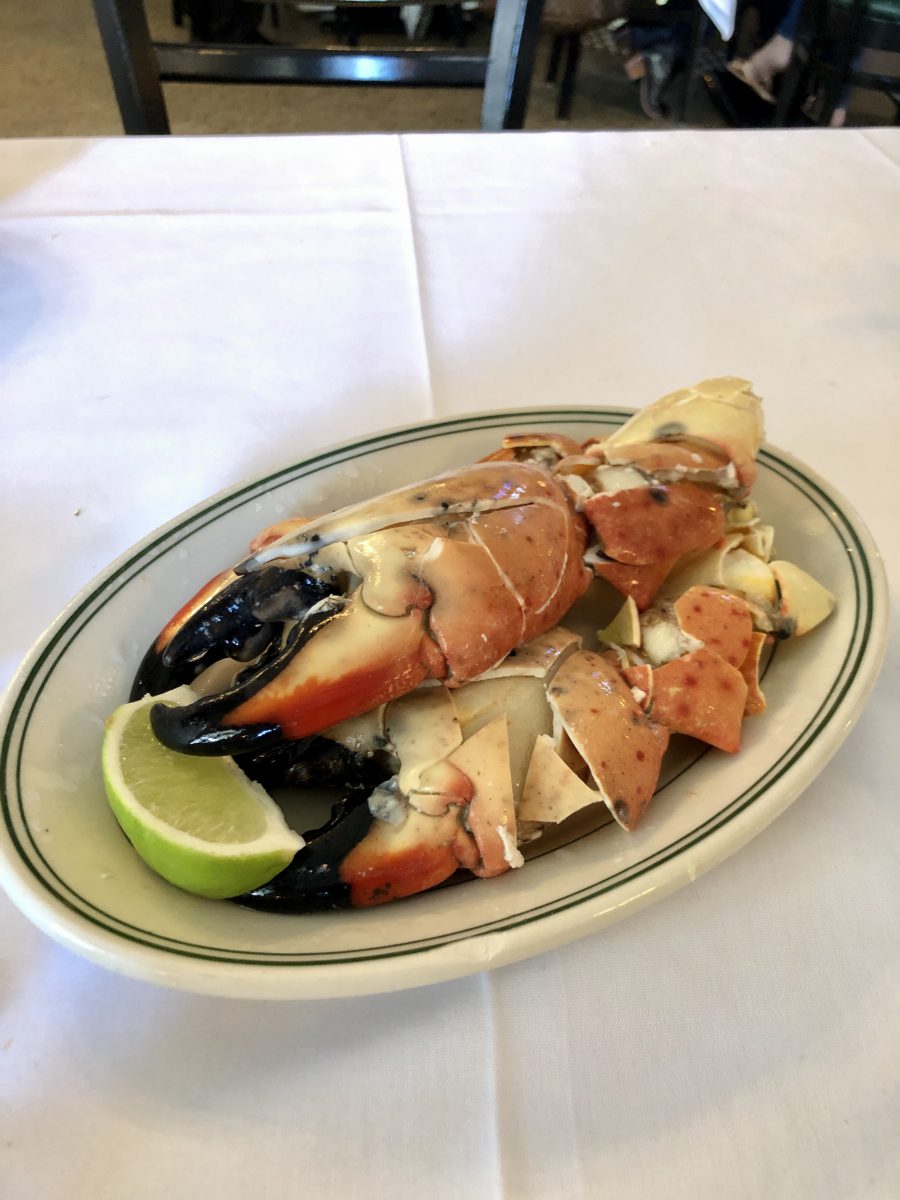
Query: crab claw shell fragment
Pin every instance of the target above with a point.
(621, 745)
(702, 677)
(545, 449)
(662, 486)
(750, 670)
(703, 696)
(802, 600)
(639, 583)
(782, 597)
(641, 526)
(722, 413)
(719, 620)
(392, 861)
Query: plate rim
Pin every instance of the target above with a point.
(495, 942)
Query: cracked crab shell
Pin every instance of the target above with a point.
(703, 696)
(718, 619)
(724, 412)
(803, 600)
(640, 583)
(647, 525)
(750, 670)
(552, 790)
(514, 444)
(675, 460)
(393, 861)
(491, 816)
(621, 745)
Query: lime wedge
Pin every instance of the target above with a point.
(198, 822)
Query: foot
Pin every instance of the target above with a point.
(742, 69)
(759, 70)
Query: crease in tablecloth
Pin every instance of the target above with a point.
(197, 176)
(533, 1079)
(886, 147)
(424, 322)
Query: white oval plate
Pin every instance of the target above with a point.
(66, 865)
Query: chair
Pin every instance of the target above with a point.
(568, 21)
(138, 65)
(836, 48)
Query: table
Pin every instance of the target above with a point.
(180, 313)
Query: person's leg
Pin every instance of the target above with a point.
(225, 20)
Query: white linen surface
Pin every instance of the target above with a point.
(177, 314)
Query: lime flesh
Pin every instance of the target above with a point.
(200, 823)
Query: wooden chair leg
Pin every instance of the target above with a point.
(132, 65)
(514, 40)
(788, 92)
(556, 51)
(570, 71)
(700, 24)
(458, 26)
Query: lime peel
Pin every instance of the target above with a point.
(200, 823)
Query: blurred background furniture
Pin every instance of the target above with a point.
(672, 37)
(841, 44)
(139, 65)
(675, 43)
(568, 21)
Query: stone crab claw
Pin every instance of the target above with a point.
(229, 617)
(479, 770)
(661, 486)
(696, 654)
(665, 481)
(440, 579)
(715, 423)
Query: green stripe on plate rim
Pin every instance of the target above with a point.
(58, 642)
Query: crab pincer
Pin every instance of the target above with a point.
(440, 579)
(229, 617)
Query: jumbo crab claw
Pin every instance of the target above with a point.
(660, 487)
(440, 579)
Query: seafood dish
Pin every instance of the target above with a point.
(413, 651)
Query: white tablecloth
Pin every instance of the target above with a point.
(178, 314)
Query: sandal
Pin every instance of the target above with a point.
(740, 68)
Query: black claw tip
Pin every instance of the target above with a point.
(312, 882)
(193, 729)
